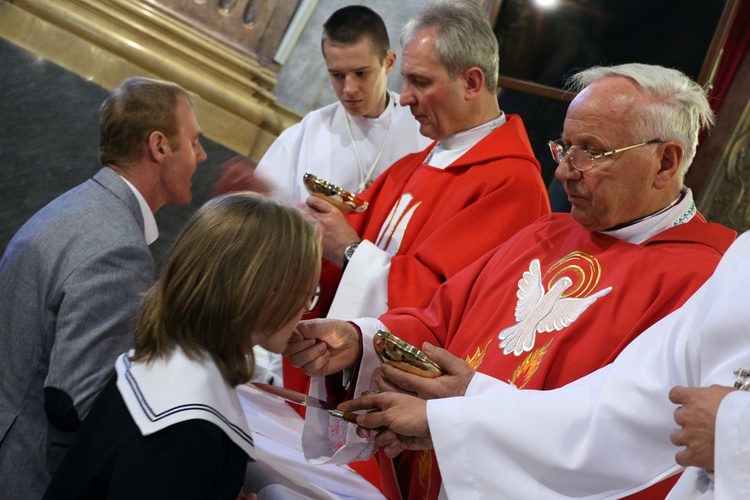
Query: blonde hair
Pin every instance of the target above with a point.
(243, 265)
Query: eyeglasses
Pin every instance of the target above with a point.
(313, 302)
(582, 160)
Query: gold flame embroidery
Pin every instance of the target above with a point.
(476, 359)
(425, 470)
(528, 367)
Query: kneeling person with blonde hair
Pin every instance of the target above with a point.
(169, 424)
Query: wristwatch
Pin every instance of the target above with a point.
(348, 252)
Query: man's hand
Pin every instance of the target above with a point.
(404, 416)
(238, 174)
(457, 376)
(323, 346)
(246, 496)
(697, 418)
(336, 231)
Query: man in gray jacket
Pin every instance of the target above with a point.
(71, 278)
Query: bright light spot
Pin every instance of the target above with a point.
(133, 44)
(547, 4)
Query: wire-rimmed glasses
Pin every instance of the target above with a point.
(314, 298)
(582, 160)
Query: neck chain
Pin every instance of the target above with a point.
(365, 176)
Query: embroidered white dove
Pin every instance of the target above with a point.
(541, 312)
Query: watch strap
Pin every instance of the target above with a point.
(348, 253)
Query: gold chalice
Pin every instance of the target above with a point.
(403, 355)
(336, 196)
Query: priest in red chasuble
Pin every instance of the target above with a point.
(435, 212)
(566, 294)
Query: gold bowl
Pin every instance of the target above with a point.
(403, 355)
(338, 197)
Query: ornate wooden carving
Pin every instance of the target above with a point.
(728, 197)
(252, 27)
(720, 174)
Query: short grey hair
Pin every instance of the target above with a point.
(465, 37)
(679, 111)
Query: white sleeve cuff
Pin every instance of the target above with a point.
(363, 290)
(731, 447)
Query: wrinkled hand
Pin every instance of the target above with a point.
(405, 417)
(323, 346)
(697, 418)
(457, 376)
(238, 174)
(336, 231)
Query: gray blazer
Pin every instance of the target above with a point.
(71, 281)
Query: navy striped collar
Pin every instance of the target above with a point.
(175, 389)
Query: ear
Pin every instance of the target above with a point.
(389, 62)
(158, 145)
(474, 82)
(671, 154)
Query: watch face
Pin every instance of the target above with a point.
(350, 250)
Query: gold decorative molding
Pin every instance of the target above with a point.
(720, 174)
(252, 27)
(106, 41)
(728, 194)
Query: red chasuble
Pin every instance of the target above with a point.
(447, 219)
(450, 217)
(555, 303)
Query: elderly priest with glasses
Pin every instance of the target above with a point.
(566, 294)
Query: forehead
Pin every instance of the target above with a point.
(607, 108)
(361, 52)
(419, 53)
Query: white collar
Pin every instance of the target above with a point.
(390, 105)
(171, 390)
(454, 146)
(681, 211)
(150, 230)
(467, 138)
